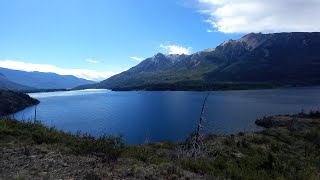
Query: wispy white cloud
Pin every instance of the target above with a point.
(209, 31)
(81, 73)
(175, 49)
(243, 16)
(92, 61)
(136, 58)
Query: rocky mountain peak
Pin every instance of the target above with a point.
(158, 55)
(253, 40)
(175, 57)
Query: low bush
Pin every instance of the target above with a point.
(145, 154)
(198, 166)
(109, 147)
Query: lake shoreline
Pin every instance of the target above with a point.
(189, 86)
(54, 154)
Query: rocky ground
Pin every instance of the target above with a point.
(32, 151)
(41, 162)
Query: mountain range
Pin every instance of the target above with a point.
(22, 80)
(255, 60)
(7, 84)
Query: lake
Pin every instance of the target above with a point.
(165, 115)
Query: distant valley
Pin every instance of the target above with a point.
(254, 61)
(31, 81)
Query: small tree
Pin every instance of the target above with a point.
(195, 147)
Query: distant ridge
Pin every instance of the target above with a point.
(42, 80)
(255, 59)
(6, 84)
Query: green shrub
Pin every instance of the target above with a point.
(260, 139)
(198, 166)
(163, 145)
(245, 143)
(229, 142)
(145, 154)
(276, 147)
(313, 135)
(109, 147)
(92, 176)
(241, 133)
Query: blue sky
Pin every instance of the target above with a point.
(109, 36)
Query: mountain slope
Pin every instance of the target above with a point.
(43, 80)
(274, 59)
(288, 58)
(7, 84)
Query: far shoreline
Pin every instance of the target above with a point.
(155, 88)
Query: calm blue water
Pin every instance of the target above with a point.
(165, 115)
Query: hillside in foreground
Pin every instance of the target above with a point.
(12, 102)
(288, 149)
(254, 61)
